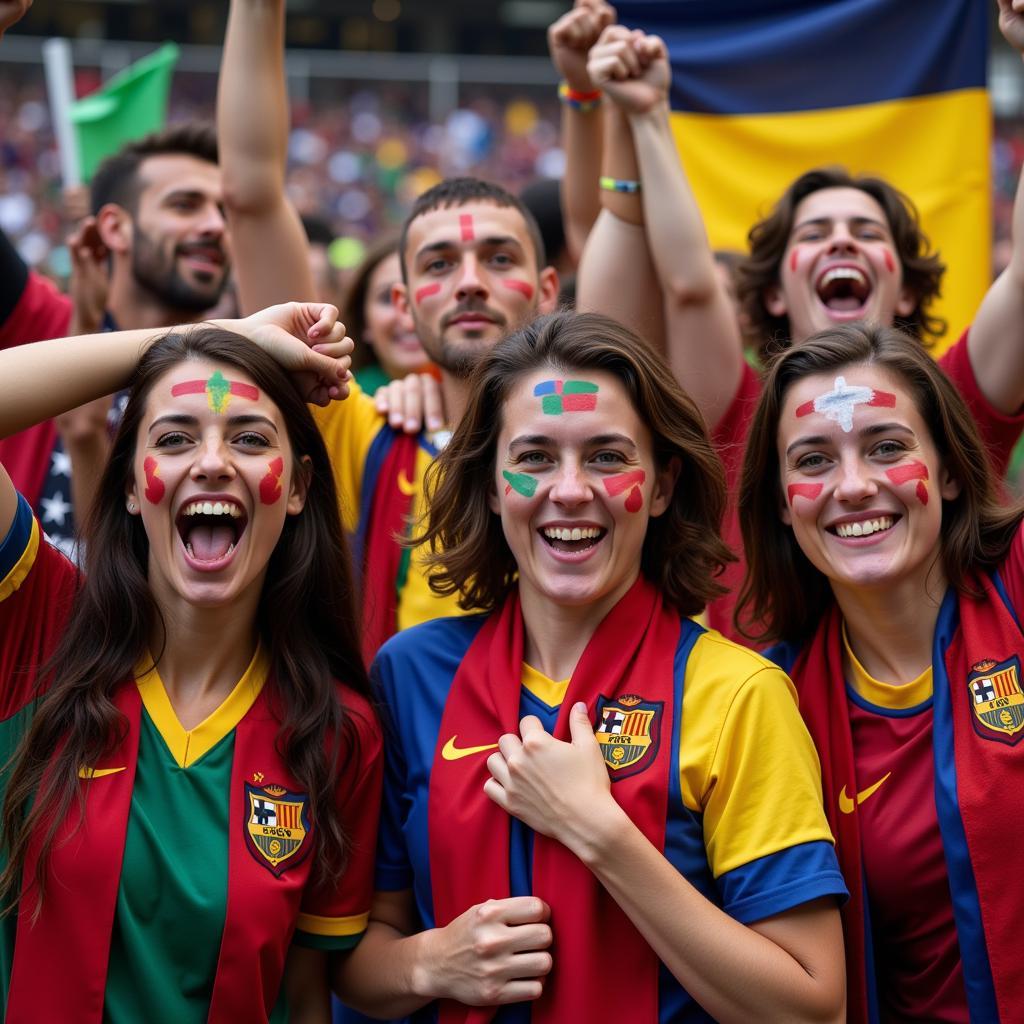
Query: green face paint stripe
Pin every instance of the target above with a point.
(579, 387)
(521, 483)
(217, 391)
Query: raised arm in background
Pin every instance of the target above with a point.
(569, 41)
(996, 340)
(703, 340)
(270, 251)
(616, 274)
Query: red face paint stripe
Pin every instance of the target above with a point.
(890, 264)
(883, 399)
(616, 484)
(155, 489)
(809, 491)
(426, 291)
(792, 260)
(522, 287)
(466, 226)
(806, 409)
(270, 485)
(922, 492)
(911, 471)
(245, 390)
(189, 387)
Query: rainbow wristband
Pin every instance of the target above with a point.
(619, 185)
(584, 101)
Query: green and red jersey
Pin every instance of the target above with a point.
(177, 897)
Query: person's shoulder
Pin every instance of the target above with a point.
(436, 639)
(720, 668)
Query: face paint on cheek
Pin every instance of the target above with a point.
(521, 483)
(218, 390)
(809, 491)
(558, 396)
(466, 227)
(155, 489)
(270, 485)
(890, 263)
(520, 286)
(426, 291)
(632, 481)
(911, 471)
(793, 259)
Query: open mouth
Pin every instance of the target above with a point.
(843, 289)
(210, 530)
(864, 527)
(572, 539)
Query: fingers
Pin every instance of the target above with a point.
(402, 401)
(516, 910)
(325, 317)
(580, 729)
(433, 403)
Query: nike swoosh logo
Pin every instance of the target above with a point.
(98, 773)
(846, 805)
(450, 752)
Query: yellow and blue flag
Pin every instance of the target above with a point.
(763, 90)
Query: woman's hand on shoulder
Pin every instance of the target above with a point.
(559, 789)
(493, 953)
(308, 340)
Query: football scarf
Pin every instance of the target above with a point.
(83, 877)
(979, 790)
(385, 506)
(632, 653)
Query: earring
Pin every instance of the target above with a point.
(131, 507)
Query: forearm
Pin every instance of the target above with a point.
(581, 201)
(382, 975)
(734, 972)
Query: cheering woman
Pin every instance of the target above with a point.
(893, 577)
(193, 768)
(591, 803)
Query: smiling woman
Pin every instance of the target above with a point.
(195, 766)
(881, 559)
(547, 838)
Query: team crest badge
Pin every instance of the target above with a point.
(629, 731)
(277, 829)
(997, 699)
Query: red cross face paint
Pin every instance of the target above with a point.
(426, 291)
(632, 482)
(523, 287)
(809, 491)
(270, 485)
(839, 404)
(911, 471)
(155, 489)
(466, 231)
(218, 390)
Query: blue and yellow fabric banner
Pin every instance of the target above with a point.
(763, 90)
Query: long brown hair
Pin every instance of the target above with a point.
(353, 304)
(305, 622)
(782, 591)
(682, 552)
(922, 268)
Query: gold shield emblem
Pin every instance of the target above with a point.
(628, 731)
(276, 826)
(997, 699)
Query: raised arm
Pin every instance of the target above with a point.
(268, 243)
(704, 347)
(996, 339)
(569, 41)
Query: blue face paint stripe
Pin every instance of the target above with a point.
(978, 982)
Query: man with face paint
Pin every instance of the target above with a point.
(157, 222)
(473, 269)
(836, 248)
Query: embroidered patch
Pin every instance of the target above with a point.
(277, 829)
(997, 700)
(629, 731)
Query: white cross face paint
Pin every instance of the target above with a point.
(838, 404)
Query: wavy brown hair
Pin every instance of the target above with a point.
(353, 304)
(305, 622)
(682, 552)
(760, 270)
(783, 591)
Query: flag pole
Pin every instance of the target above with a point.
(61, 90)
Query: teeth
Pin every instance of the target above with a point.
(214, 508)
(865, 528)
(573, 533)
(842, 274)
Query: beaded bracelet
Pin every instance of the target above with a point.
(619, 185)
(584, 101)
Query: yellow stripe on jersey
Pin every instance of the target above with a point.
(892, 696)
(23, 566)
(746, 761)
(188, 745)
(551, 691)
(313, 924)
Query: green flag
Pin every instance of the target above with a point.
(132, 104)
